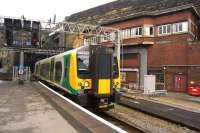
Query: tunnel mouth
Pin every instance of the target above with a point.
(1, 64)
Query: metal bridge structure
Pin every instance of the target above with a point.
(93, 32)
(90, 33)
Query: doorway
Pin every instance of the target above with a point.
(180, 83)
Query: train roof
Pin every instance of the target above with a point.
(67, 52)
(60, 55)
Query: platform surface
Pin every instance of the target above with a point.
(24, 110)
(32, 108)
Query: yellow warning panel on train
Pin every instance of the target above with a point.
(104, 86)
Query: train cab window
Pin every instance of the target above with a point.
(58, 71)
(83, 64)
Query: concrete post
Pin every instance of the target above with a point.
(143, 67)
(21, 59)
(21, 66)
(143, 62)
(117, 45)
(13, 78)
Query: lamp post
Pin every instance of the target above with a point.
(21, 65)
(164, 68)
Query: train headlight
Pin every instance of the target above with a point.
(86, 84)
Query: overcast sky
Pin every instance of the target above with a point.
(45, 9)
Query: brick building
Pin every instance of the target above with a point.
(160, 37)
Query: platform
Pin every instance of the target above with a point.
(31, 108)
(174, 114)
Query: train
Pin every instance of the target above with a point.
(90, 75)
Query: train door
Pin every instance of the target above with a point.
(180, 83)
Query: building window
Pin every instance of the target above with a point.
(126, 33)
(104, 38)
(149, 30)
(136, 31)
(164, 29)
(180, 27)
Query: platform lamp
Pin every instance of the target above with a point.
(164, 69)
(21, 66)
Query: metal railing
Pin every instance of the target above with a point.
(21, 74)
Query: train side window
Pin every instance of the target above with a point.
(36, 69)
(51, 69)
(58, 71)
(45, 70)
(42, 70)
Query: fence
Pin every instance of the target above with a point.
(23, 74)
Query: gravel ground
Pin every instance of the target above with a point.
(146, 122)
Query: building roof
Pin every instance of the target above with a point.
(121, 10)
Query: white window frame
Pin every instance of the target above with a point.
(126, 33)
(181, 27)
(147, 29)
(164, 29)
(135, 31)
(122, 34)
(106, 37)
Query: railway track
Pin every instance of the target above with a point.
(107, 115)
(112, 118)
(165, 123)
(135, 121)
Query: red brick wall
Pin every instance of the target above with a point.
(166, 50)
(194, 54)
(130, 60)
(174, 54)
(170, 73)
(158, 20)
(167, 54)
(132, 23)
(138, 40)
(131, 77)
(191, 73)
(172, 39)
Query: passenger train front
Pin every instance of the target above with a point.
(90, 74)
